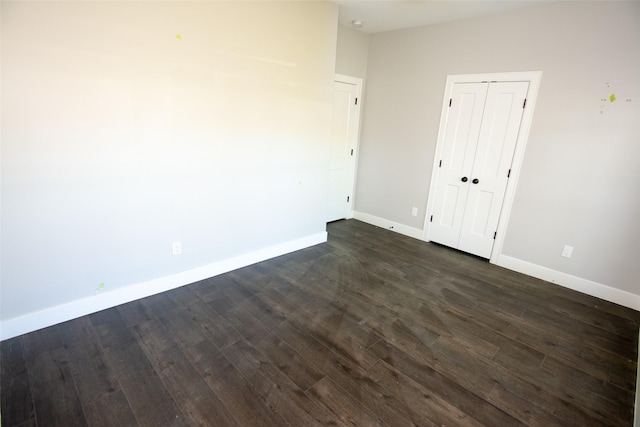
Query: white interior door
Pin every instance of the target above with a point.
(344, 139)
(461, 136)
(491, 167)
(480, 135)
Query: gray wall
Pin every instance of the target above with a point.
(129, 125)
(580, 178)
(351, 52)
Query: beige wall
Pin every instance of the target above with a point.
(129, 125)
(580, 178)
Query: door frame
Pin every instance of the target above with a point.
(353, 163)
(533, 77)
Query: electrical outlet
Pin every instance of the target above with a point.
(176, 248)
(414, 211)
(567, 251)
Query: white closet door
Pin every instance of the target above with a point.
(344, 135)
(494, 154)
(481, 131)
(462, 131)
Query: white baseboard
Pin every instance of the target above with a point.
(588, 287)
(416, 233)
(101, 301)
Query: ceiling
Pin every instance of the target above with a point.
(387, 15)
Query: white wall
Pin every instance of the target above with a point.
(351, 52)
(580, 178)
(129, 125)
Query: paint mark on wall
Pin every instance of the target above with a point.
(179, 36)
(607, 100)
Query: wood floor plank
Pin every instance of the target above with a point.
(248, 326)
(288, 361)
(334, 338)
(110, 410)
(445, 388)
(150, 402)
(424, 406)
(180, 323)
(525, 412)
(563, 344)
(276, 388)
(344, 407)
(237, 394)
(339, 319)
(159, 303)
(347, 375)
(278, 302)
(610, 406)
(532, 397)
(211, 285)
(383, 320)
(237, 293)
(135, 313)
(261, 311)
(55, 397)
(371, 328)
(92, 376)
(254, 277)
(594, 336)
(186, 385)
(215, 327)
(15, 388)
(450, 324)
(344, 372)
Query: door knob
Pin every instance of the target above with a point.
(464, 179)
(475, 180)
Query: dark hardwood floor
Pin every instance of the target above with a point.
(372, 328)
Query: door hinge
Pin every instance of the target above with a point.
(494, 235)
(450, 100)
(509, 173)
(352, 154)
(347, 199)
(524, 103)
(440, 164)
(356, 101)
(431, 220)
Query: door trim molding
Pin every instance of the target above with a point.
(533, 77)
(348, 79)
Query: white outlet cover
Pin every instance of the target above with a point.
(176, 248)
(567, 251)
